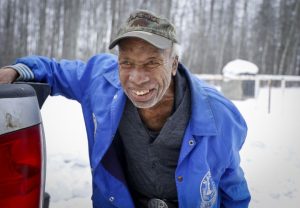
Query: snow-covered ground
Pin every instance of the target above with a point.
(270, 156)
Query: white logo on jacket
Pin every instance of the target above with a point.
(208, 191)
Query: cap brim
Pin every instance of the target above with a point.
(156, 40)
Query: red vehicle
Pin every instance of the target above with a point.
(22, 147)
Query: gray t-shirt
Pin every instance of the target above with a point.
(151, 157)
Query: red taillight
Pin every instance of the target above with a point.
(21, 168)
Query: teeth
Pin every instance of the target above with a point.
(142, 92)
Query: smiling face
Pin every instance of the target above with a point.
(145, 72)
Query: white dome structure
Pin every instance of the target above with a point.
(238, 67)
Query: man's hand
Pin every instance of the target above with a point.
(8, 75)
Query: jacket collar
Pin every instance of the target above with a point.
(113, 78)
(202, 121)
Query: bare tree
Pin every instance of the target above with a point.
(71, 24)
(290, 36)
(211, 32)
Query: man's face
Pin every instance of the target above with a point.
(145, 72)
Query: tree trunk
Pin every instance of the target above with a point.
(71, 24)
(42, 27)
(289, 39)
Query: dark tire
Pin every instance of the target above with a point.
(46, 200)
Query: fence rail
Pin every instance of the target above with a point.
(263, 77)
(283, 79)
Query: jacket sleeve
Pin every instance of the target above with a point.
(69, 78)
(233, 186)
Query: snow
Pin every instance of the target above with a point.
(239, 66)
(68, 178)
(270, 156)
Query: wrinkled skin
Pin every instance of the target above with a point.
(146, 75)
(8, 75)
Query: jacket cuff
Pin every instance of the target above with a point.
(25, 73)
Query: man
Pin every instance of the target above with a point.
(157, 135)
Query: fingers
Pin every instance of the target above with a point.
(8, 75)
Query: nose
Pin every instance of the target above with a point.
(138, 76)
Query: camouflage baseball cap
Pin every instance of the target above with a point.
(143, 24)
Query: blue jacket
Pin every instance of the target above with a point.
(208, 172)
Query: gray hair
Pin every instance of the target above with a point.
(176, 50)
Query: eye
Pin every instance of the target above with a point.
(125, 64)
(152, 64)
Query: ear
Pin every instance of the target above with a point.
(175, 65)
